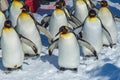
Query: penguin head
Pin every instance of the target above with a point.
(25, 8)
(62, 2)
(63, 30)
(58, 5)
(7, 24)
(92, 13)
(103, 3)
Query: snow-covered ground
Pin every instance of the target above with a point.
(107, 67)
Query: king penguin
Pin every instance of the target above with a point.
(68, 47)
(2, 21)
(57, 20)
(26, 26)
(15, 10)
(92, 31)
(12, 52)
(108, 22)
(81, 10)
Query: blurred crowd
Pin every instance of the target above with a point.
(33, 4)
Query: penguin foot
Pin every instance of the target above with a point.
(62, 69)
(74, 69)
(20, 68)
(8, 70)
(37, 55)
(105, 45)
(26, 56)
(88, 56)
(111, 45)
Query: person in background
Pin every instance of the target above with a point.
(35, 4)
(46, 2)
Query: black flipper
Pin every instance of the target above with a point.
(89, 46)
(45, 21)
(76, 20)
(72, 23)
(53, 46)
(67, 12)
(78, 30)
(90, 6)
(108, 36)
(45, 31)
(29, 43)
(73, 11)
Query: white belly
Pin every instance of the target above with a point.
(29, 30)
(92, 32)
(56, 22)
(69, 52)
(109, 24)
(14, 13)
(81, 11)
(12, 52)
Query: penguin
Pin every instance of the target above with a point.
(11, 45)
(2, 20)
(12, 52)
(108, 22)
(92, 31)
(15, 10)
(26, 26)
(81, 10)
(68, 47)
(29, 28)
(57, 19)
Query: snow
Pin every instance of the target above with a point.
(107, 67)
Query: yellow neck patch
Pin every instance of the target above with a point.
(104, 9)
(24, 15)
(58, 11)
(80, 1)
(7, 29)
(66, 35)
(92, 19)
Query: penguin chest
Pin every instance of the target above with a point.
(2, 20)
(81, 11)
(12, 51)
(27, 28)
(15, 11)
(92, 32)
(56, 21)
(69, 51)
(109, 23)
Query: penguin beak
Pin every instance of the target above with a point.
(58, 33)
